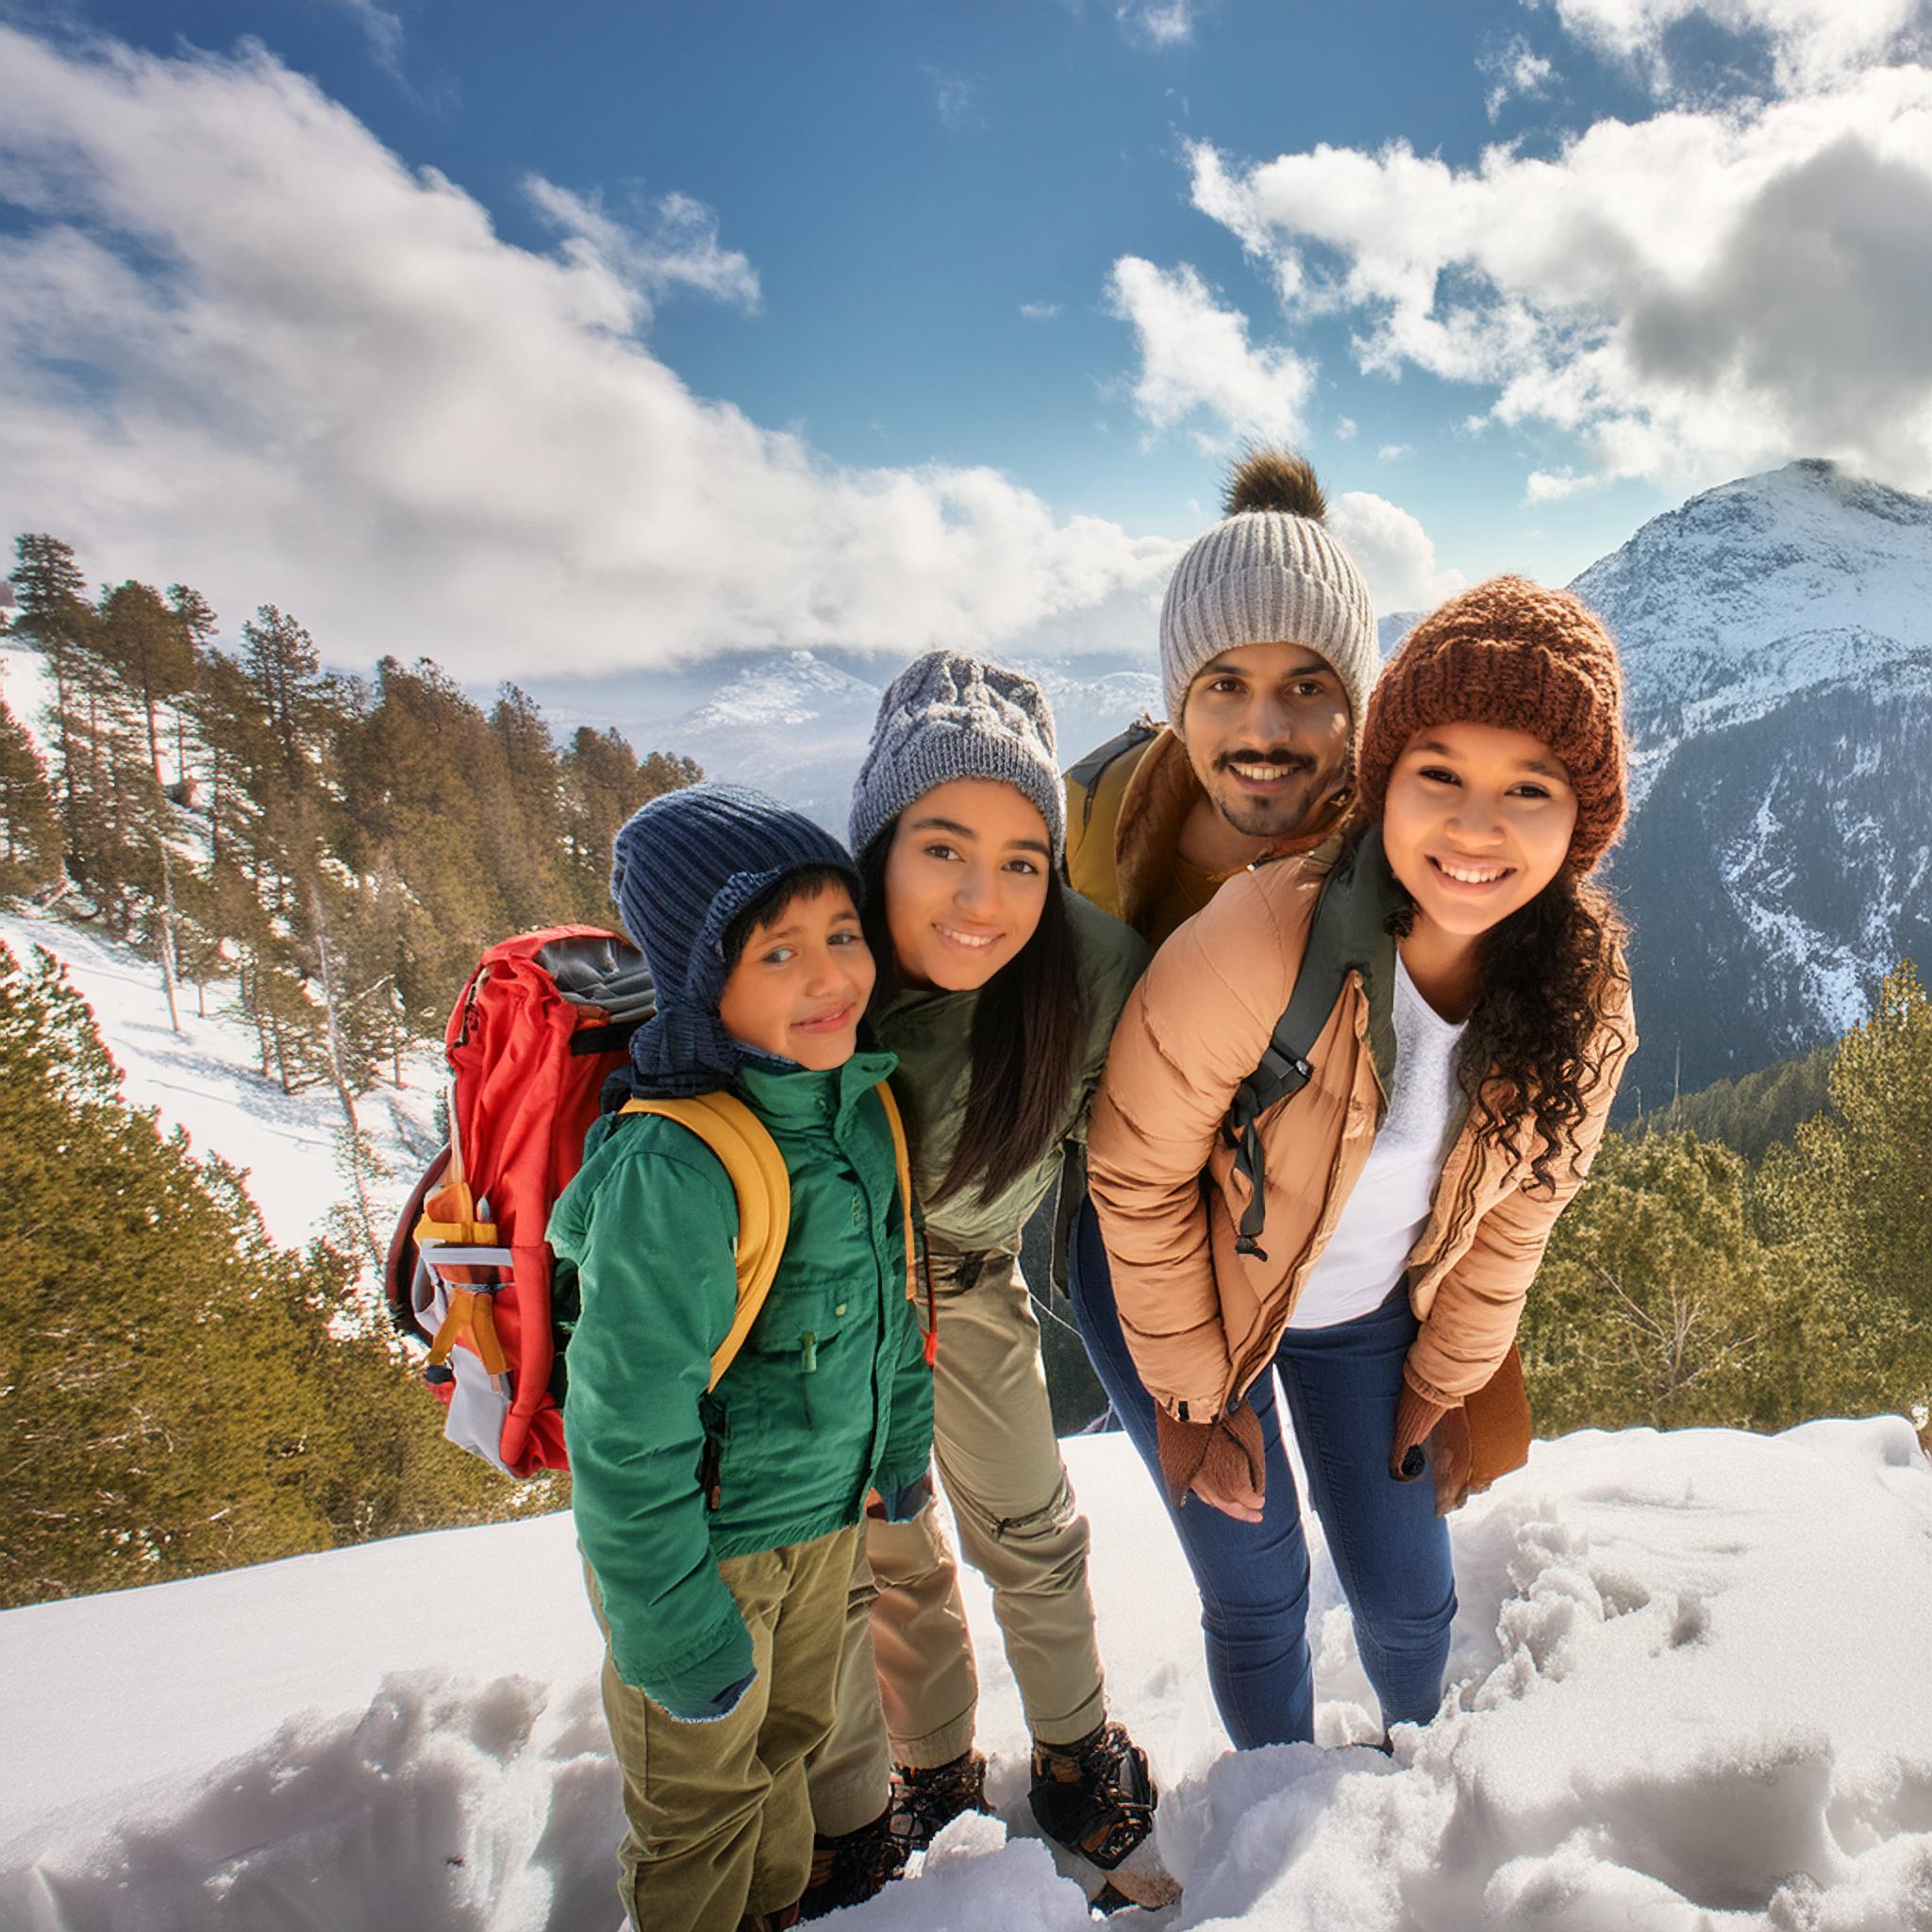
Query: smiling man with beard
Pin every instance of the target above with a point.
(1268, 651)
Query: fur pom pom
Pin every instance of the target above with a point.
(1274, 479)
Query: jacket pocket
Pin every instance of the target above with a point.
(803, 1342)
(800, 1317)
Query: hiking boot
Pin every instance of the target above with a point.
(926, 1800)
(851, 1868)
(1095, 1798)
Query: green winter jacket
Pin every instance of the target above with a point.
(931, 1033)
(829, 1397)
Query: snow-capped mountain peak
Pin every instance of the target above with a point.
(1721, 598)
(788, 688)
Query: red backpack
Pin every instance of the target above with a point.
(543, 1021)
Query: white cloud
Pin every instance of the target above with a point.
(955, 96)
(1394, 452)
(678, 249)
(242, 347)
(1344, 430)
(1812, 43)
(1197, 358)
(1688, 297)
(1158, 23)
(1041, 311)
(1392, 551)
(384, 31)
(1515, 69)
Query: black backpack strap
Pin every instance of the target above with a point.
(1285, 1067)
(1087, 773)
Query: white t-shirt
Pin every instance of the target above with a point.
(1383, 1219)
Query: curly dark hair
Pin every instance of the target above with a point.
(1538, 1038)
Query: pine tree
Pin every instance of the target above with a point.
(1852, 1199)
(1657, 1304)
(153, 653)
(55, 615)
(177, 1396)
(604, 783)
(29, 823)
(196, 618)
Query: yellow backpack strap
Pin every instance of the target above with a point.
(902, 1160)
(756, 1169)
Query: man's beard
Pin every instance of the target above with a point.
(1281, 816)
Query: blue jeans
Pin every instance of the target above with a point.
(1391, 1549)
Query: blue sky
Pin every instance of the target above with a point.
(677, 329)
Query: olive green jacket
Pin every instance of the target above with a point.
(931, 1032)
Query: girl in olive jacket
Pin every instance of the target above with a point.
(999, 990)
(1457, 1092)
(719, 1523)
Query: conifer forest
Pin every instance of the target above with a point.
(333, 853)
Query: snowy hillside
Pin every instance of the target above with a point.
(206, 1078)
(1689, 1691)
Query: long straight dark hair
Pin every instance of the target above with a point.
(1028, 1032)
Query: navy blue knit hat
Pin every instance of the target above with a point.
(681, 870)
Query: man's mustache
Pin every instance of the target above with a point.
(1293, 760)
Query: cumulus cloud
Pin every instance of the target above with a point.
(1515, 69)
(242, 345)
(1197, 358)
(1812, 43)
(1394, 452)
(1041, 311)
(1688, 297)
(1394, 554)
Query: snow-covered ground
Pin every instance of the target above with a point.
(1691, 1689)
(205, 1078)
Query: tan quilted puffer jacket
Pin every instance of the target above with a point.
(1202, 1321)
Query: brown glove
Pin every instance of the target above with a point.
(1219, 1461)
(1446, 1431)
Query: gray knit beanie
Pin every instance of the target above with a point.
(949, 716)
(1269, 572)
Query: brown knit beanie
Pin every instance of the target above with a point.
(1512, 654)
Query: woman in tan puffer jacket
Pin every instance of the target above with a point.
(1458, 1091)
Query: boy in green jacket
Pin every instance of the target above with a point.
(719, 1524)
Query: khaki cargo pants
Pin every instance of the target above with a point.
(720, 1821)
(906, 1644)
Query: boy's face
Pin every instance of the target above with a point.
(801, 984)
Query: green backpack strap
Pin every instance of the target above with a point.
(1349, 920)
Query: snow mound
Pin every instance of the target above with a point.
(1690, 1689)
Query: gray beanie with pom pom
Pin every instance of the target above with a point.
(949, 716)
(1269, 572)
